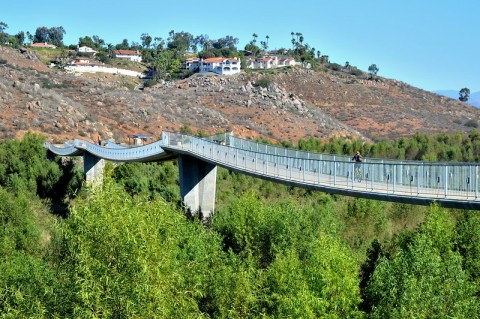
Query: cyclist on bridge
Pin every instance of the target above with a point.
(358, 160)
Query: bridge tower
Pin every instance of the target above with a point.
(93, 167)
(198, 181)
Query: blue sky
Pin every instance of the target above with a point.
(433, 45)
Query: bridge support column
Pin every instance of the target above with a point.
(93, 167)
(198, 181)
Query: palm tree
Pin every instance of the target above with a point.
(298, 34)
(255, 36)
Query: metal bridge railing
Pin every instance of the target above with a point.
(409, 178)
(122, 154)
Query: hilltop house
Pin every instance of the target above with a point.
(286, 61)
(132, 55)
(269, 62)
(86, 49)
(192, 64)
(84, 61)
(222, 66)
(43, 45)
(90, 65)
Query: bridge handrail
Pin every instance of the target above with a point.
(292, 152)
(420, 178)
(122, 154)
(322, 156)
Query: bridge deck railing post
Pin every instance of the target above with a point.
(476, 181)
(445, 178)
(372, 180)
(303, 168)
(394, 182)
(334, 171)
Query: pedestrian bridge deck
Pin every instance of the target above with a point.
(449, 184)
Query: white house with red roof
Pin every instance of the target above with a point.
(132, 55)
(220, 65)
(192, 64)
(286, 61)
(86, 49)
(269, 62)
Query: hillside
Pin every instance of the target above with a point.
(288, 105)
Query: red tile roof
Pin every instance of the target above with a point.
(218, 60)
(127, 52)
(42, 45)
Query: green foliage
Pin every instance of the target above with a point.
(26, 280)
(18, 232)
(323, 283)
(468, 232)
(307, 271)
(149, 83)
(53, 35)
(150, 179)
(458, 147)
(424, 277)
(373, 70)
(130, 257)
(263, 82)
(471, 123)
(464, 94)
(103, 57)
(356, 72)
(24, 166)
(334, 66)
(120, 254)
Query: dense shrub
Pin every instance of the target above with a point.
(263, 82)
(24, 166)
(471, 123)
(334, 66)
(356, 72)
(149, 83)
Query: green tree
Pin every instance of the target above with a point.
(24, 166)
(373, 70)
(423, 278)
(27, 282)
(324, 283)
(86, 41)
(3, 27)
(464, 94)
(179, 41)
(468, 232)
(124, 45)
(255, 36)
(52, 35)
(20, 38)
(146, 40)
(98, 42)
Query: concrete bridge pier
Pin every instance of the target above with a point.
(198, 181)
(93, 167)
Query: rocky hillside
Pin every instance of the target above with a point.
(278, 105)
